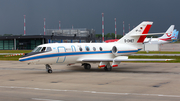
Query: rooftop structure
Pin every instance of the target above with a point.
(79, 32)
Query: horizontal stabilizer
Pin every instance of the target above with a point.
(146, 34)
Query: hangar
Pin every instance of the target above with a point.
(29, 42)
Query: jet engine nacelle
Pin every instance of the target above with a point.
(117, 50)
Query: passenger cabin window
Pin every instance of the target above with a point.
(94, 48)
(80, 48)
(87, 48)
(100, 48)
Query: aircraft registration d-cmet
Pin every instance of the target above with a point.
(108, 55)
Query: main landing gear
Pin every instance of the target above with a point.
(108, 67)
(48, 68)
(86, 66)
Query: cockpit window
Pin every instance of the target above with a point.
(37, 49)
(48, 49)
(42, 49)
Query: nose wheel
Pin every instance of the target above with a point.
(48, 68)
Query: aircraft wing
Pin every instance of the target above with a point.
(121, 60)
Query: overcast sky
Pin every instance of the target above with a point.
(86, 14)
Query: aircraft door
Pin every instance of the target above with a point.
(73, 48)
(62, 57)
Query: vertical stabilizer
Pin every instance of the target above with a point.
(174, 34)
(168, 33)
(176, 37)
(135, 37)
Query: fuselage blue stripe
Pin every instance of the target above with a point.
(127, 51)
(73, 54)
(63, 54)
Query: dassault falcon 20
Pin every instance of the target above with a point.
(108, 55)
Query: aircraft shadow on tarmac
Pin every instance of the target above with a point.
(73, 69)
(118, 70)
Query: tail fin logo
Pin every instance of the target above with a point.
(139, 29)
(168, 34)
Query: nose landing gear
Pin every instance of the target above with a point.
(48, 68)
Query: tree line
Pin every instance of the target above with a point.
(109, 36)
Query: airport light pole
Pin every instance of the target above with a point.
(115, 29)
(44, 26)
(102, 27)
(24, 24)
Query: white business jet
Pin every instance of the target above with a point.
(108, 55)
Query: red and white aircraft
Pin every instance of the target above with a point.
(166, 38)
(108, 55)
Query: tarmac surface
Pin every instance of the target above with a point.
(128, 82)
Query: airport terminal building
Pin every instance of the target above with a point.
(29, 42)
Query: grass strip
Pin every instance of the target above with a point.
(15, 51)
(157, 52)
(10, 58)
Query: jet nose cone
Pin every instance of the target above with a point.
(21, 58)
(27, 56)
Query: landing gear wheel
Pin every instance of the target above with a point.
(48, 68)
(49, 71)
(108, 69)
(87, 66)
